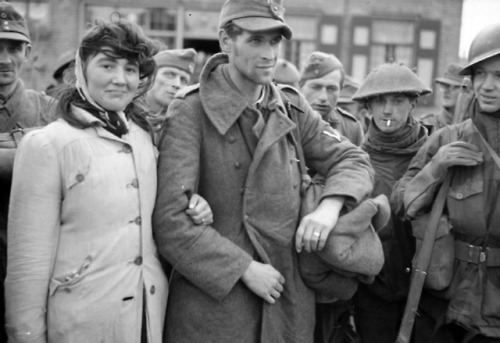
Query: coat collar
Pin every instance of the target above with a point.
(223, 103)
(88, 119)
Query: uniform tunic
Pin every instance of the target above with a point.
(254, 196)
(474, 212)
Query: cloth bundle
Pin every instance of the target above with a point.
(353, 252)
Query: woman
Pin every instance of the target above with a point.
(469, 309)
(390, 94)
(83, 266)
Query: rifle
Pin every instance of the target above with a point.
(420, 271)
(464, 101)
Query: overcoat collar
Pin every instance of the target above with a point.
(223, 103)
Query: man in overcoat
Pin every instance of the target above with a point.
(229, 139)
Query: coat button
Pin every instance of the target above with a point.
(237, 165)
(127, 149)
(138, 260)
(80, 177)
(152, 290)
(246, 216)
(231, 139)
(460, 195)
(135, 183)
(138, 220)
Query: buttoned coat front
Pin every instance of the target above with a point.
(255, 201)
(81, 253)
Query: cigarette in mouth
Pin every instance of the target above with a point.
(388, 122)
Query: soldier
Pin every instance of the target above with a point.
(229, 138)
(389, 93)
(468, 310)
(321, 81)
(286, 73)
(20, 110)
(449, 88)
(175, 68)
(63, 63)
(353, 107)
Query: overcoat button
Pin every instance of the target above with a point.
(138, 260)
(246, 217)
(80, 177)
(231, 139)
(237, 165)
(135, 183)
(460, 195)
(138, 220)
(152, 290)
(127, 149)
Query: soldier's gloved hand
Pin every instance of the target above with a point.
(454, 154)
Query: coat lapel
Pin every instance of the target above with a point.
(278, 125)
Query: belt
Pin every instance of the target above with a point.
(477, 254)
(10, 140)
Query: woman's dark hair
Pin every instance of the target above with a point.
(119, 39)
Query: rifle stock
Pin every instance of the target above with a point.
(420, 271)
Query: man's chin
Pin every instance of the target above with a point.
(322, 110)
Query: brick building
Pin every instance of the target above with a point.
(362, 33)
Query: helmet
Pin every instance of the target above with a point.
(485, 45)
(391, 78)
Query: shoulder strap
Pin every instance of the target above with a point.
(297, 143)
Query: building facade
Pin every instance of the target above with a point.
(422, 34)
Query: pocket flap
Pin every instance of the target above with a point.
(420, 224)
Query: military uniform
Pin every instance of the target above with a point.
(347, 125)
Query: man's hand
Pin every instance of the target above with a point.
(455, 154)
(264, 280)
(314, 228)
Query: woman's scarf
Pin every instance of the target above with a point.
(113, 121)
(405, 141)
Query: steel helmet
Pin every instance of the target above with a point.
(485, 45)
(391, 78)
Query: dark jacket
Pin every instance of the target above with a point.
(347, 125)
(255, 202)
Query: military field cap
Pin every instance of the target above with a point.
(319, 64)
(346, 93)
(63, 62)
(255, 15)
(391, 78)
(286, 72)
(182, 59)
(12, 24)
(451, 75)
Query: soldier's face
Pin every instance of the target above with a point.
(112, 82)
(13, 54)
(486, 84)
(323, 93)
(168, 82)
(391, 111)
(449, 94)
(252, 56)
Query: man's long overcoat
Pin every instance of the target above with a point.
(255, 202)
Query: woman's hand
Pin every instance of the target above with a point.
(199, 211)
(314, 228)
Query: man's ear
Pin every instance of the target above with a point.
(28, 51)
(225, 41)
